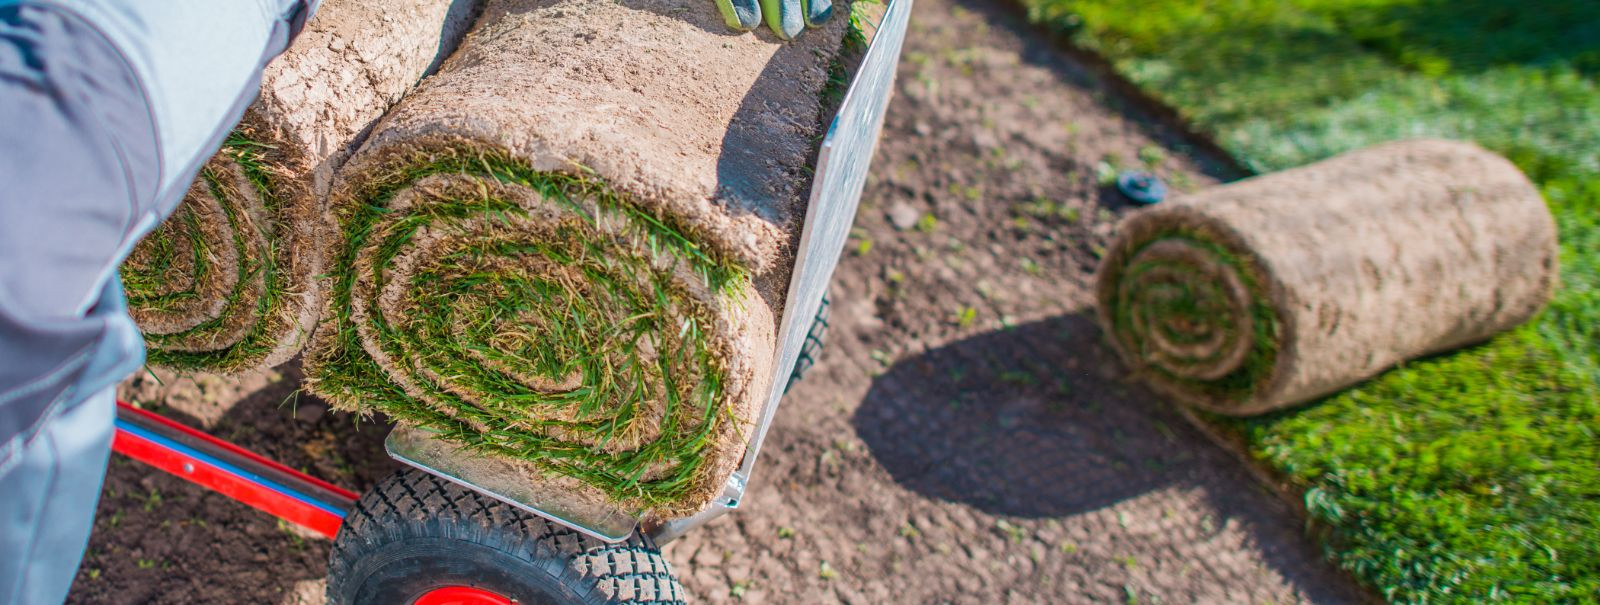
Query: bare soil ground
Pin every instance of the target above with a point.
(966, 437)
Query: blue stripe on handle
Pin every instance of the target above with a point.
(224, 466)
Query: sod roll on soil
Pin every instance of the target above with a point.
(1279, 289)
(226, 284)
(567, 248)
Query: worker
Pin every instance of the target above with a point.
(107, 110)
(786, 18)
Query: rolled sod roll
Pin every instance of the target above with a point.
(227, 283)
(567, 249)
(1280, 289)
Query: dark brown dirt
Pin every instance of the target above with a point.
(159, 539)
(966, 438)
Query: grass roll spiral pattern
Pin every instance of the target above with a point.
(539, 317)
(221, 286)
(566, 250)
(228, 284)
(1193, 310)
(1280, 289)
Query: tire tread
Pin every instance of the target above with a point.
(411, 503)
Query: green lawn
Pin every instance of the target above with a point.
(1467, 477)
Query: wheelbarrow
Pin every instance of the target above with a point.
(441, 532)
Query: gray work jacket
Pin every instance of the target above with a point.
(108, 108)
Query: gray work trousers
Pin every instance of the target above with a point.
(107, 110)
(52, 489)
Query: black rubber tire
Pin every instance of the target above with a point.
(415, 532)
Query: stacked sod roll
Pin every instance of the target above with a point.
(1280, 289)
(567, 249)
(227, 284)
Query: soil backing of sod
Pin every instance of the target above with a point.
(228, 283)
(1466, 477)
(820, 492)
(1283, 288)
(569, 247)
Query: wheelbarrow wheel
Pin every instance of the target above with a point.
(418, 539)
(811, 347)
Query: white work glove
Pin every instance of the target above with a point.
(786, 17)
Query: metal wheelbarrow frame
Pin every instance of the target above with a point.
(842, 166)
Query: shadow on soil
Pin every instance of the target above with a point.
(157, 536)
(1039, 421)
(299, 430)
(1031, 422)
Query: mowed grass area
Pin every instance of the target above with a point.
(1467, 477)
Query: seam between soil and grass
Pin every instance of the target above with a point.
(1545, 339)
(350, 371)
(1281, 486)
(259, 339)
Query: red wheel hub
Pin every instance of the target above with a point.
(460, 595)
